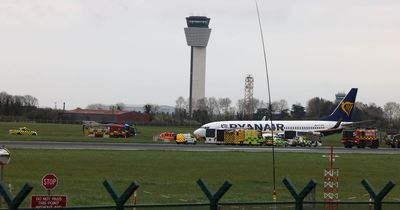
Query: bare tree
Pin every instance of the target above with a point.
(241, 107)
(31, 101)
(225, 104)
(213, 106)
(180, 109)
(280, 106)
(391, 112)
(201, 104)
(245, 111)
(180, 103)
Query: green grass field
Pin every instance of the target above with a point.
(170, 177)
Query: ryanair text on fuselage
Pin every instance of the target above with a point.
(255, 126)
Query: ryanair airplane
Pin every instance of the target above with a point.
(331, 124)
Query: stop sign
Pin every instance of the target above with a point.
(50, 181)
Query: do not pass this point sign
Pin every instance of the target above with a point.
(49, 181)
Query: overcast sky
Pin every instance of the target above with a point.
(135, 52)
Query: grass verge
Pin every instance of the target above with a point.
(170, 177)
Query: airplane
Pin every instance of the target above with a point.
(334, 123)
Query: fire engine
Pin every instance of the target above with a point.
(94, 129)
(360, 137)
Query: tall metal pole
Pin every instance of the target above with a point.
(269, 106)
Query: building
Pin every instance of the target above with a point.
(197, 34)
(114, 116)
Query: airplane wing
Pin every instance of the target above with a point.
(330, 131)
(358, 123)
(333, 130)
(337, 129)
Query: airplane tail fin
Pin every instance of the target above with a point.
(345, 108)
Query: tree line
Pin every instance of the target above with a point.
(215, 109)
(25, 108)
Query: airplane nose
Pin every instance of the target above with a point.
(200, 133)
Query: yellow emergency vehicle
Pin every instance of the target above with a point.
(185, 138)
(23, 131)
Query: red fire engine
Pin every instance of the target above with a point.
(360, 137)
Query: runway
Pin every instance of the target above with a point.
(188, 148)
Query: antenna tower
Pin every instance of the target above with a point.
(248, 95)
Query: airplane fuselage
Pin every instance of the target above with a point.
(325, 126)
(278, 126)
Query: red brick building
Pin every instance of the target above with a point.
(106, 116)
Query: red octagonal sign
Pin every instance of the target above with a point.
(50, 181)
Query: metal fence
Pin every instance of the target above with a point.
(13, 203)
(243, 206)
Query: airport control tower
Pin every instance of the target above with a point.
(197, 34)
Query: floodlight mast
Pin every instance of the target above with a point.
(269, 105)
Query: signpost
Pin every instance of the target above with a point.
(49, 182)
(49, 201)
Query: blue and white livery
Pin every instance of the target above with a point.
(333, 123)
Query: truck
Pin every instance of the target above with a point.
(301, 141)
(234, 136)
(360, 137)
(392, 139)
(298, 138)
(211, 136)
(100, 130)
(167, 136)
(185, 138)
(253, 137)
(276, 141)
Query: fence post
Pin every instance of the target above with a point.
(299, 197)
(120, 200)
(378, 197)
(14, 203)
(214, 197)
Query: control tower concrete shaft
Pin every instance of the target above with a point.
(197, 35)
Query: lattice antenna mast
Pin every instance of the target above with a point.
(248, 95)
